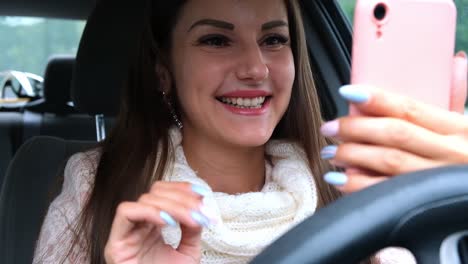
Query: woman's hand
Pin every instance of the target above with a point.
(396, 134)
(135, 235)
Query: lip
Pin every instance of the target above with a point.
(248, 111)
(247, 94)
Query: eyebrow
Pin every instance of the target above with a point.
(273, 24)
(229, 26)
(214, 23)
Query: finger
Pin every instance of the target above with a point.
(181, 210)
(193, 201)
(382, 160)
(183, 190)
(358, 170)
(377, 102)
(459, 83)
(352, 181)
(177, 194)
(189, 197)
(395, 133)
(190, 242)
(129, 215)
(358, 182)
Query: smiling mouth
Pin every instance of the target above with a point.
(244, 102)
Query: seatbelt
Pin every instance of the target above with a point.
(31, 124)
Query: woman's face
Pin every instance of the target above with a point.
(233, 69)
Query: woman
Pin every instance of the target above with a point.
(217, 148)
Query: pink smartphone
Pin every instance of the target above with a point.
(405, 46)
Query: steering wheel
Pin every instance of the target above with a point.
(425, 212)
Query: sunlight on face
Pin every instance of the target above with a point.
(233, 69)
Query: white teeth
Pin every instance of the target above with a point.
(244, 102)
(254, 102)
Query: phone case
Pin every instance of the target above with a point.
(408, 51)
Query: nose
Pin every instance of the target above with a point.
(252, 67)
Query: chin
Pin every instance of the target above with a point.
(252, 138)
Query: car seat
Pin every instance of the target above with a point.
(101, 66)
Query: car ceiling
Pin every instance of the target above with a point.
(71, 9)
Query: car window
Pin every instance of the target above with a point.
(26, 46)
(27, 43)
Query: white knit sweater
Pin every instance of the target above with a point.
(247, 222)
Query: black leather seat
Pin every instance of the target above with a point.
(57, 81)
(100, 71)
(51, 116)
(55, 115)
(23, 123)
(11, 126)
(27, 192)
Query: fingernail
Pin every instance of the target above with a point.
(328, 152)
(354, 93)
(336, 178)
(167, 218)
(200, 219)
(209, 213)
(200, 190)
(461, 54)
(330, 129)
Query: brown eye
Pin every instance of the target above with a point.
(214, 41)
(275, 40)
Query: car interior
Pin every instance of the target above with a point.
(425, 212)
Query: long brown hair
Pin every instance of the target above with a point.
(129, 164)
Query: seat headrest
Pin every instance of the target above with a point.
(102, 61)
(57, 80)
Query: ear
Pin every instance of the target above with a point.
(459, 83)
(164, 77)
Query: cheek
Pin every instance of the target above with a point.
(201, 71)
(283, 73)
(197, 78)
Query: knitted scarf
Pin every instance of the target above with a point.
(248, 222)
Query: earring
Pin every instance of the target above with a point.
(173, 113)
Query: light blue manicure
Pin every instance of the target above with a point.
(354, 93)
(336, 178)
(200, 190)
(167, 218)
(200, 219)
(328, 152)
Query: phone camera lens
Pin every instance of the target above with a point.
(380, 11)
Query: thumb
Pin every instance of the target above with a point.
(190, 243)
(459, 83)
